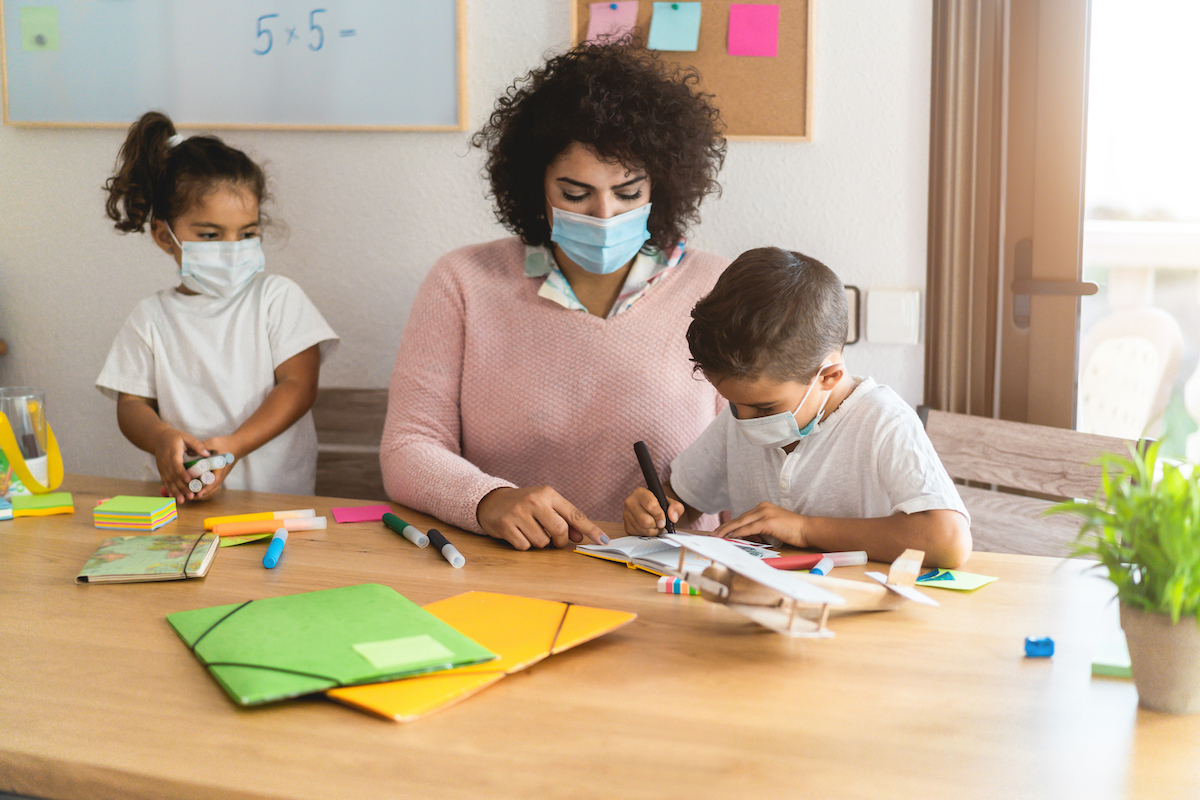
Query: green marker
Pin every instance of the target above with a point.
(404, 529)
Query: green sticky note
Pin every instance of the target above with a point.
(953, 579)
(403, 651)
(39, 28)
(41, 502)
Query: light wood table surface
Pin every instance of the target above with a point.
(100, 699)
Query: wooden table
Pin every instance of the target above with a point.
(99, 698)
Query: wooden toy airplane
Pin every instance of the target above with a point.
(773, 597)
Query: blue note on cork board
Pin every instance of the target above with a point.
(675, 27)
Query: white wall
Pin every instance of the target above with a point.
(366, 214)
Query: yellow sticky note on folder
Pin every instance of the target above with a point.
(523, 630)
(953, 579)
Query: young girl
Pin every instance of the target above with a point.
(226, 362)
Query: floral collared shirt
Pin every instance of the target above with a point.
(647, 269)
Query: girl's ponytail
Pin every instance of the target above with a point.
(135, 191)
(160, 175)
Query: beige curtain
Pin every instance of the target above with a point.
(965, 202)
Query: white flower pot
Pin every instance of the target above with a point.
(1164, 659)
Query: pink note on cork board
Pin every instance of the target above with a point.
(754, 30)
(611, 19)
(360, 513)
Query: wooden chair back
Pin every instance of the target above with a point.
(349, 426)
(1026, 469)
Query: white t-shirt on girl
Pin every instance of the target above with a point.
(210, 362)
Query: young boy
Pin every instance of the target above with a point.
(805, 452)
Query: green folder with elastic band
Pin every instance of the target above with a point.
(265, 650)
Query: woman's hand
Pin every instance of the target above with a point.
(644, 515)
(534, 516)
(766, 519)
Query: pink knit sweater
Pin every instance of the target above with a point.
(495, 386)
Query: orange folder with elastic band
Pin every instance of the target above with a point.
(522, 630)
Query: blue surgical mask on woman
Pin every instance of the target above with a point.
(219, 269)
(780, 430)
(600, 246)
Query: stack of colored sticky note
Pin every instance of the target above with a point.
(5, 509)
(42, 505)
(135, 513)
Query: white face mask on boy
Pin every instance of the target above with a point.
(780, 430)
(219, 269)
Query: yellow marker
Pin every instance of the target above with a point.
(299, 513)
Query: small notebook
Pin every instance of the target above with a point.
(523, 630)
(128, 559)
(655, 554)
(135, 513)
(42, 505)
(281, 647)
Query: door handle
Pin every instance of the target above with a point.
(1024, 285)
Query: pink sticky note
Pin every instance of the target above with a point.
(360, 513)
(753, 30)
(611, 19)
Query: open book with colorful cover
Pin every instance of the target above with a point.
(171, 557)
(264, 650)
(523, 630)
(655, 554)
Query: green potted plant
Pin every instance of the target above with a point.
(1144, 528)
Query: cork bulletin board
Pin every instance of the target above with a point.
(760, 98)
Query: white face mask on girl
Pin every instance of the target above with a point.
(780, 430)
(219, 269)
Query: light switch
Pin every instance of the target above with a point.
(893, 316)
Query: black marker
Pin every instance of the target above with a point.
(445, 548)
(652, 482)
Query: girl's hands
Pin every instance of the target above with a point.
(644, 516)
(170, 446)
(765, 519)
(215, 445)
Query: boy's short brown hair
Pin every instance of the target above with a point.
(773, 313)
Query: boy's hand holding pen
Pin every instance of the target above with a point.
(649, 512)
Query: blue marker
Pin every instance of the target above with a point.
(446, 549)
(275, 549)
(822, 567)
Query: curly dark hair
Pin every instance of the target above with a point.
(621, 101)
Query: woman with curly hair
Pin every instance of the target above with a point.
(530, 365)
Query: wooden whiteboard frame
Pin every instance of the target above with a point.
(681, 59)
(460, 13)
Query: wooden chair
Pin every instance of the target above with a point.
(349, 426)
(1028, 469)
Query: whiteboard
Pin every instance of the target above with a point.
(385, 64)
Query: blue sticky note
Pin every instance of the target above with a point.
(675, 26)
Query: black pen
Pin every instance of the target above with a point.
(652, 482)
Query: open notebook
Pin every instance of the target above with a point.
(657, 554)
